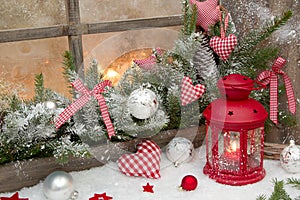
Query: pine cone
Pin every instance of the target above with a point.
(204, 63)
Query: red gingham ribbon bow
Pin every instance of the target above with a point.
(81, 101)
(270, 77)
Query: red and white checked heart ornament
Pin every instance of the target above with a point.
(145, 162)
(271, 77)
(207, 13)
(223, 46)
(148, 63)
(189, 92)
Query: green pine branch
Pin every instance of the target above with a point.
(279, 191)
(255, 37)
(189, 18)
(39, 88)
(69, 69)
(294, 182)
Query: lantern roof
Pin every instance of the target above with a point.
(235, 86)
(235, 110)
(236, 115)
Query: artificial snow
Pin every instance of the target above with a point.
(108, 179)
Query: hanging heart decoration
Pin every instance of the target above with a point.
(207, 13)
(223, 46)
(145, 162)
(189, 92)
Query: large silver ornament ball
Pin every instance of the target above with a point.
(58, 186)
(290, 158)
(142, 103)
(180, 150)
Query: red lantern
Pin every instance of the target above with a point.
(235, 133)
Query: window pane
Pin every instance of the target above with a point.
(118, 50)
(109, 10)
(27, 14)
(21, 61)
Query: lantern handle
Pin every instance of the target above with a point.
(261, 86)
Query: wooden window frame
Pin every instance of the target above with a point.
(74, 30)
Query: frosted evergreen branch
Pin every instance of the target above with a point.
(189, 19)
(294, 182)
(65, 148)
(255, 37)
(39, 88)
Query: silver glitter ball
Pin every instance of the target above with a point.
(59, 186)
(50, 105)
(180, 150)
(290, 158)
(142, 103)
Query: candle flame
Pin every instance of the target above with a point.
(233, 146)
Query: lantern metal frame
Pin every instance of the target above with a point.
(235, 134)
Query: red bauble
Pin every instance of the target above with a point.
(189, 183)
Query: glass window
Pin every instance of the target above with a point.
(109, 10)
(28, 14)
(21, 61)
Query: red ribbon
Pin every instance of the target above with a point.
(81, 101)
(223, 27)
(271, 77)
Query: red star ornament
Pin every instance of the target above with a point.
(13, 197)
(100, 197)
(148, 188)
(208, 13)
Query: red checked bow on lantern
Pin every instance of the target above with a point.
(270, 77)
(81, 101)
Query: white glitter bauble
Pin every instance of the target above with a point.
(50, 105)
(59, 186)
(290, 158)
(142, 103)
(180, 150)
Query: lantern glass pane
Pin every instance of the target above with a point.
(254, 147)
(229, 151)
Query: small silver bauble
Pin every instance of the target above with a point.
(180, 150)
(50, 105)
(290, 158)
(142, 103)
(59, 186)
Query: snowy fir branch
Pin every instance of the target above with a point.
(189, 18)
(294, 182)
(279, 190)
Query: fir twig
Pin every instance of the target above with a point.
(294, 182)
(255, 37)
(261, 197)
(69, 69)
(279, 191)
(189, 18)
(39, 88)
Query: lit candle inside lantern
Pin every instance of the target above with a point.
(233, 152)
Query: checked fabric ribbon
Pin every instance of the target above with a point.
(81, 101)
(271, 77)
